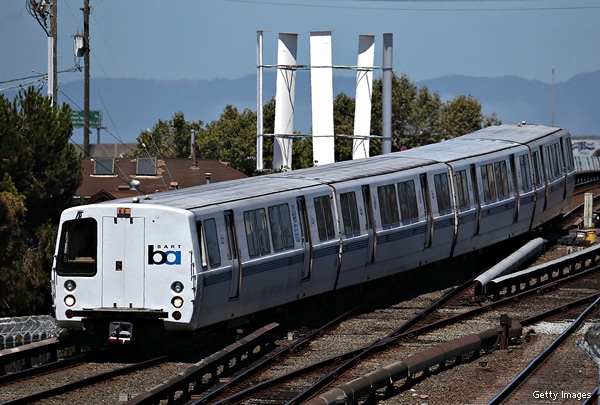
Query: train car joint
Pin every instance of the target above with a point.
(120, 332)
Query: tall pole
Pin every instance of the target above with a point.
(86, 78)
(386, 93)
(259, 101)
(52, 70)
(54, 51)
(552, 114)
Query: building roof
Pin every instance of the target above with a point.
(108, 178)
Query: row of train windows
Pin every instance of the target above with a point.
(397, 204)
(256, 230)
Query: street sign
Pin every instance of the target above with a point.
(95, 119)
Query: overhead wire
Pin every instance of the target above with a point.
(420, 8)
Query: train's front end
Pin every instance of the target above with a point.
(124, 270)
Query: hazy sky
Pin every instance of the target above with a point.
(193, 39)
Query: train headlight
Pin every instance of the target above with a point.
(69, 300)
(177, 302)
(177, 287)
(70, 285)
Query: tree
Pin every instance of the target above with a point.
(420, 117)
(460, 116)
(41, 172)
(232, 139)
(167, 139)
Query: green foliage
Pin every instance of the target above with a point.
(41, 172)
(419, 117)
(167, 139)
(231, 139)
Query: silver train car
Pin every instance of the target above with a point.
(186, 259)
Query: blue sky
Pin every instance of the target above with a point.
(190, 39)
(193, 39)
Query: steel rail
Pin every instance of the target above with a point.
(87, 381)
(535, 363)
(403, 332)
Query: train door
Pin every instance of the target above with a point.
(123, 275)
(233, 255)
(427, 207)
(516, 187)
(477, 196)
(305, 238)
(370, 224)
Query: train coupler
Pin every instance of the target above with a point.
(120, 332)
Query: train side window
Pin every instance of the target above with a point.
(350, 214)
(281, 227)
(442, 192)
(554, 161)
(388, 205)
(77, 252)
(209, 243)
(501, 173)
(525, 172)
(255, 224)
(324, 217)
(408, 202)
(488, 182)
(462, 187)
(538, 173)
(568, 152)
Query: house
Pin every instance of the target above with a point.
(107, 178)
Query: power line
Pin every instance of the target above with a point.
(418, 7)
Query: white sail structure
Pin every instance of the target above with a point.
(364, 91)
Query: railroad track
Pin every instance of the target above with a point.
(528, 383)
(68, 379)
(374, 337)
(400, 344)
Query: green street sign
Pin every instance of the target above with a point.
(95, 119)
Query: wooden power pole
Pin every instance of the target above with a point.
(86, 77)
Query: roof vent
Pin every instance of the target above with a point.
(134, 184)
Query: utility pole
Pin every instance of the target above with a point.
(86, 77)
(53, 84)
(42, 12)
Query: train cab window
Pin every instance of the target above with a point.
(78, 247)
(442, 192)
(488, 181)
(408, 202)
(209, 243)
(525, 169)
(388, 205)
(462, 187)
(282, 235)
(324, 217)
(501, 173)
(255, 223)
(349, 214)
(554, 159)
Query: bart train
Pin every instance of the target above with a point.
(186, 259)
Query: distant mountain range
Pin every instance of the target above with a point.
(132, 105)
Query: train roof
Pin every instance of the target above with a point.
(522, 133)
(216, 193)
(480, 142)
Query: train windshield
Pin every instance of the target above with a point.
(77, 253)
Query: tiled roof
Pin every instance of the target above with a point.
(170, 174)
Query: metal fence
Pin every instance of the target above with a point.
(26, 329)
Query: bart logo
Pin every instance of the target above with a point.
(169, 257)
